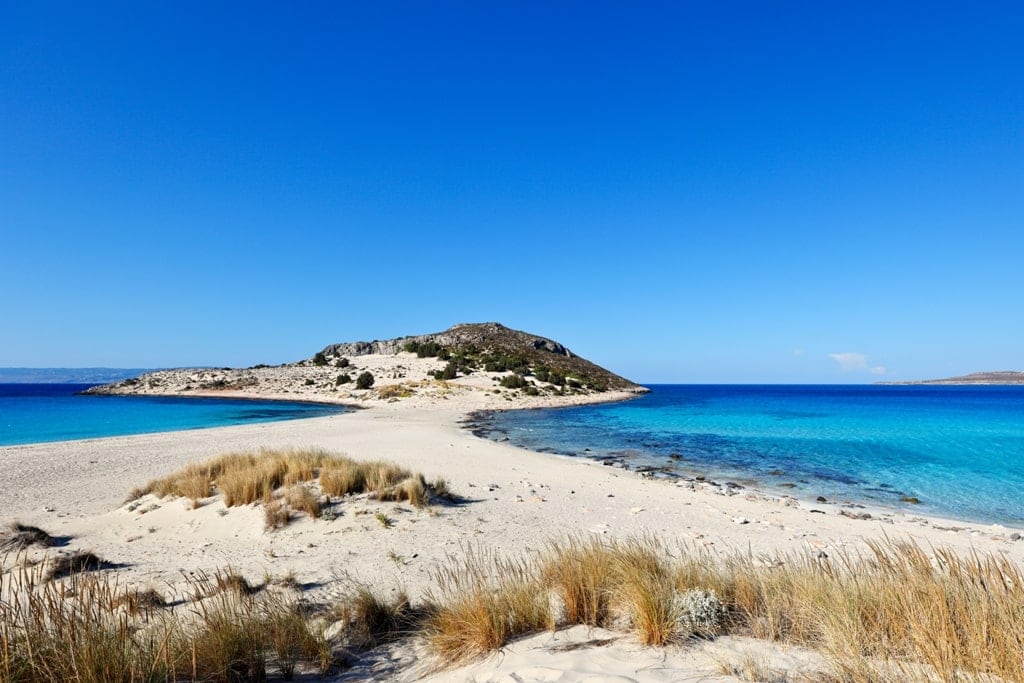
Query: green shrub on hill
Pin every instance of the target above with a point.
(449, 371)
(365, 380)
(514, 381)
(427, 350)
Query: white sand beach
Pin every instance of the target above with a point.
(513, 503)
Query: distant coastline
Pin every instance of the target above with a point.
(68, 375)
(1002, 377)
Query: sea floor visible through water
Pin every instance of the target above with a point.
(949, 451)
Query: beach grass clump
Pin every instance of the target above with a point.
(276, 514)
(138, 601)
(226, 640)
(644, 590)
(87, 628)
(604, 583)
(247, 478)
(74, 563)
(76, 630)
(894, 612)
(579, 572)
(381, 477)
(370, 620)
(481, 603)
(18, 536)
(300, 497)
(343, 477)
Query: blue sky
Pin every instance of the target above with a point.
(683, 192)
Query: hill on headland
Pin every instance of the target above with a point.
(482, 365)
(483, 345)
(998, 377)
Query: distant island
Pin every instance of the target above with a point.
(998, 377)
(67, 375)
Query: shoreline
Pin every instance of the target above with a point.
(850, 508)
(469, 414)
(209, 441)
(513, 503)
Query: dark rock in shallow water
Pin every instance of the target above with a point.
(822, 499)
(909, 499)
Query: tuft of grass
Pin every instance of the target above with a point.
(74, 563)
(20, 536)
(645, 590)
(342, 477)
(91, 630)
(481, 603)
(371, 620)
(289, 635)
(75, 631)
(389, 391)
(580, 574)
(138, 601)
(381, 477)
(300, 498)
(276, 514)
(413, 489)
(384, 520)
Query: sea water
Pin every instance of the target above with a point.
(33, 413)
(958, 450)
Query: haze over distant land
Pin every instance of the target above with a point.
(997, 377)
(66, 375)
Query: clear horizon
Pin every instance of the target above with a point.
(739, 193)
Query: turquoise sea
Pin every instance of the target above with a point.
(958, 450)
(33, 413)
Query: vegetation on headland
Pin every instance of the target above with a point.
(491, 347)
(467, 361)
(528, 364)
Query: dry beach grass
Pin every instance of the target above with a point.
(898, 613)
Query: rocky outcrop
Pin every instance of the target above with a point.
(492, 338)
(481, 336)
(487, 360)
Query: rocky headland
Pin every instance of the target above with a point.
(488, 365)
